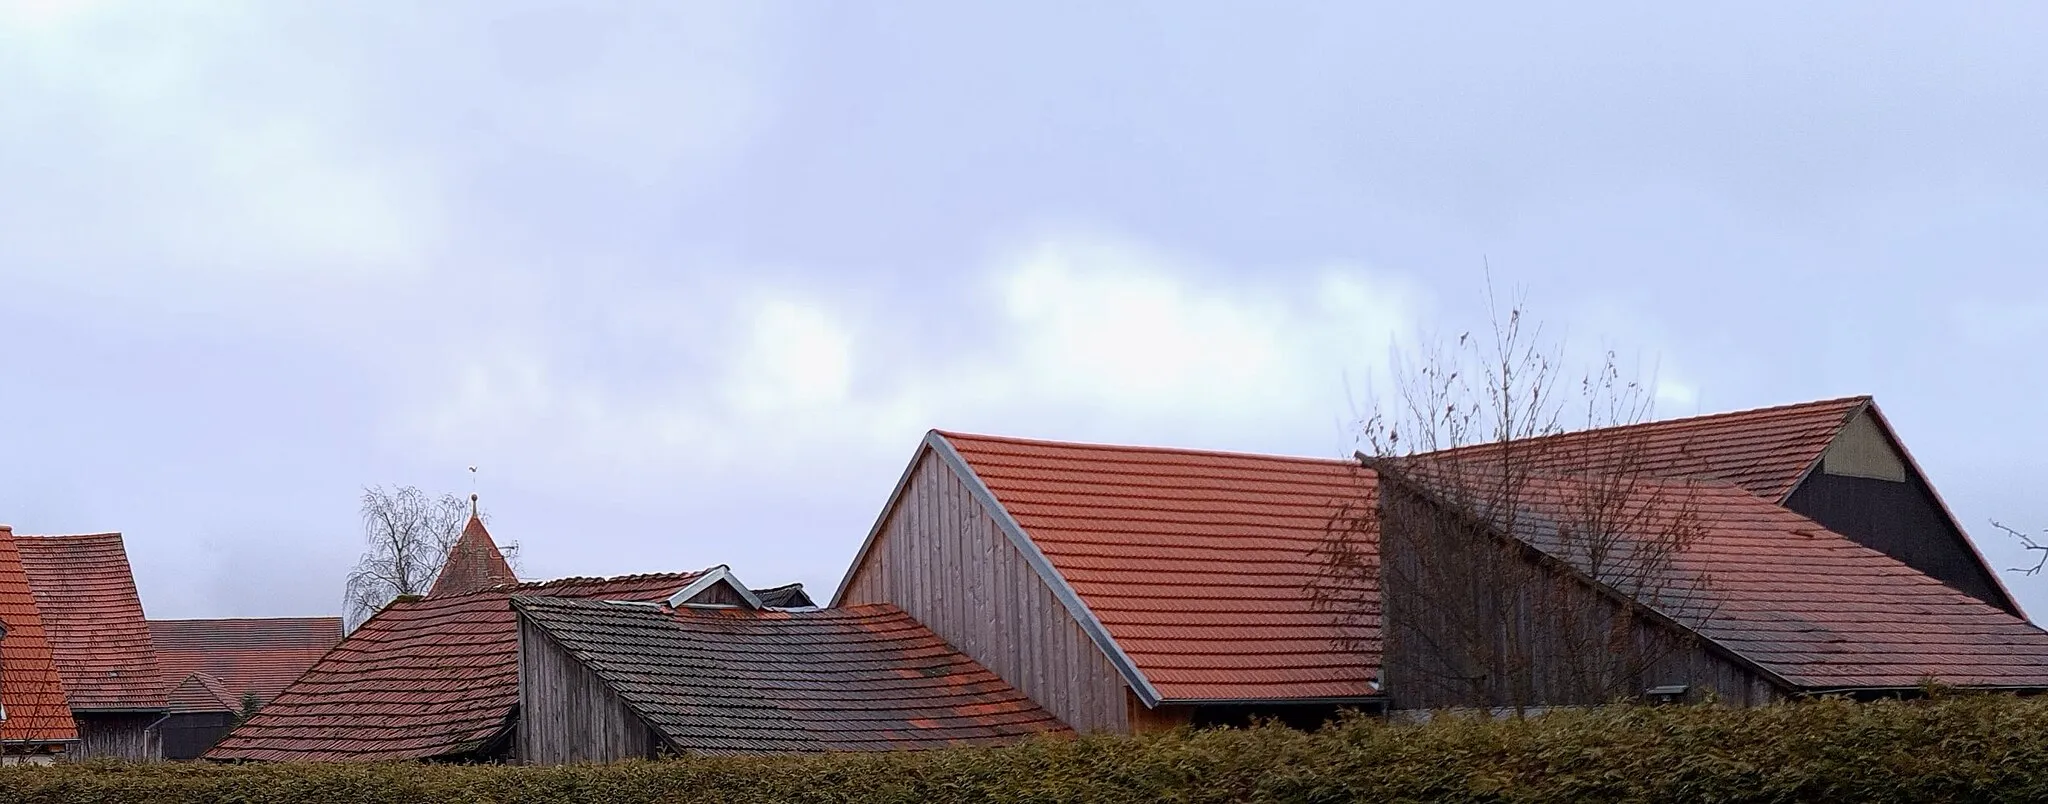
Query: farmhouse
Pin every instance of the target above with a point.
(99, 640)
(1126, 588)
(212, 666)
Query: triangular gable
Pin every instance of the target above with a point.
(474, 563)
(1868, 447)
(200, 692)
(716, 587)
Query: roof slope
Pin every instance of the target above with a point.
(1198, 564)
(97, 633)
(200, 692)
(423, 678)
(473, 563)
(1805, 603)
(732, 681)
(262, 655)
(1766, 451)
(30, 687)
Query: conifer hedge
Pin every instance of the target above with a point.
(1953, 748)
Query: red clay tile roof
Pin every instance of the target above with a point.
(30, 687)
(473, 563)
(86, 592)
(1198, 564)
(1806, 603)
(1767, 450)
(262, 655)
(200, 692)
(733, 681)
(423, 678)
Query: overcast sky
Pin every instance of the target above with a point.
(689, 285)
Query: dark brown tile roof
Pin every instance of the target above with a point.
(262, 655)
(473, 563)
(1199, 564)
(30, 687)
(423, 678)
(200, 692)
(786, 596)
(733, 681)
(1766, 450)
(86, 593)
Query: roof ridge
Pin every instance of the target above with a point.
(81, 536)
(1108, 447)
(319, 617)
(1682, 421)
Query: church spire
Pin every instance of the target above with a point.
(474, 562)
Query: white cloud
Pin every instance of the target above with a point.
(1072, 336)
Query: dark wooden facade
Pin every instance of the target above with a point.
(567, 713)
(940, 556)
(187, 735)
(1471, 623)
(117, 735)
(1867, 489)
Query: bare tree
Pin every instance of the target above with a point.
(2029, 542)
(1508, 561)
(409, 534)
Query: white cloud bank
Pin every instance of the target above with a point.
(1086, 336)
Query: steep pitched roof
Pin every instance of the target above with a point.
(1802, 603)
(86, 593)
(1766, 451)
(262, 655)
(423, 678)
(200, 692)
(1197, 564)
(30, 687)
(733, 681)
(474, 562)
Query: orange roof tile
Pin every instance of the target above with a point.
(200, 692)
(1198, 564)
(30, 687)
(262, 655)
(423, 678)
(1766, 450)
(474, 562)
(86, 593)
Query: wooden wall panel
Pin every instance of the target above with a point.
(567, 714)
(941, 557)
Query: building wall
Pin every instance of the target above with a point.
(1468, 625)
(1896, 513)
(187, 736)
(943, 559)
(117, 736)
(567, 714)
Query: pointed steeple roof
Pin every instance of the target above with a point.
(473, 563)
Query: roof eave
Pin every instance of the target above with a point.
(881, 520)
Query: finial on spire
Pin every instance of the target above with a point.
(472, 491)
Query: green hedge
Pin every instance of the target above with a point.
(1968, 748)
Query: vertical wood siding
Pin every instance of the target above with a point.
(1459, 636)
(567, 714)
(941, 557)
(116, 736)
(1901, 520)
(187, 736)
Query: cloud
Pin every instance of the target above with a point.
(1069, 336)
